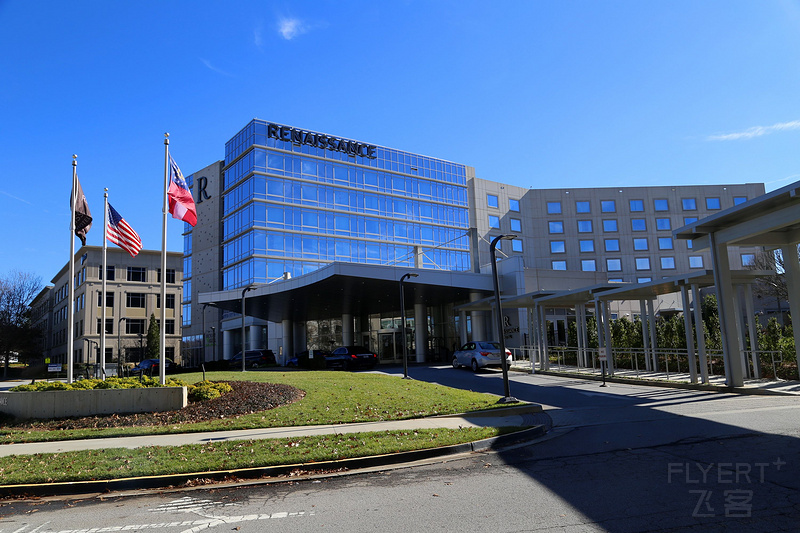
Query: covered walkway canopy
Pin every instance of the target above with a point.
(771, 220)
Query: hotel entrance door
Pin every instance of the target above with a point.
(390, 349)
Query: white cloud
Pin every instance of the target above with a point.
(209, 66)
(756, 131)
(289, 28)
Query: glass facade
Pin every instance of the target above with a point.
(293, 202)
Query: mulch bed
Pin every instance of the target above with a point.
(246, 397)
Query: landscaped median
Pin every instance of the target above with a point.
(320, 398)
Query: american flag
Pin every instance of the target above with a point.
(120, 233)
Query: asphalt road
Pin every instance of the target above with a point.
(619, 458)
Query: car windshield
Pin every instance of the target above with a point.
(489, 345)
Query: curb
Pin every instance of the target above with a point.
(282, 472)
(671, 384)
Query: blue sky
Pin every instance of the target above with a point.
(534, 93)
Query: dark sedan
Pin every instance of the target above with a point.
(149, 367)
(351, 358)
(253, 359)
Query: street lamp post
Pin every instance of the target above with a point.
(403, 319)
(506, 388)
(203, 351)
(244, 342)
(120, 358)
(214, 342)
(88, 358)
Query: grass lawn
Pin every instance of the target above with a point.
(331, 398)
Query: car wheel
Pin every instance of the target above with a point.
(455, 363)
(475, 366)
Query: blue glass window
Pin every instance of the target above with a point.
(584, 226)
(516, 245)
(661, 204)
(513, 205)
(613, 265)
(640, 244)
(556, 227)
(516, 225)
(642, 263)
(582, 207)
(612, 245)
(667, 263)
(637, 205)
(665, 243)
(587, 246)
(588, 265)
(559, 265)
(689, 220)
(689, 204)
(695, 261)
(492, 201)
(557, 247)
(739, 200)
(608, 206)
(638, 224)
(553, 208)
(748, 260)
(663, 224)
(609, 225)
(713, 204)
(494, 221)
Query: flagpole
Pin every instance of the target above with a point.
(103, 300)
(162, 362)
(71, 279)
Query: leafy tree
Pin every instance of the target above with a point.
(17, 335)
(152, 349)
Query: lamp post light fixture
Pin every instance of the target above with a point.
(507, 398)
(244, 338)
(403, 319)
(214, 342)
(88, 355)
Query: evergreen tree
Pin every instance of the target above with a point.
(152, 349)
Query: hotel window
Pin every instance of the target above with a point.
(494, 221)
(665, 243)
(584, 226)
(556, 227)
(109, 326)
(609, 225)
(109, 299)
(637, 205)
(110, 273)
(668, 263)
(587, 246)
(170, 275)
(492, 201)
(615, 280)
(170, 329)
(661, 204)
(170, 301)
(134, 326)
(513, 205)
(642, 263)
(608, 206)
(135, 300)
(638, 224)
(613, 265)
(695, 261)
(644, 280)
(689, 204)
(612, 245)
(739, 200)
(713, 204)
(557, 247)
(516, 225)
(137, 274)
(553, 208)
(559, 265)
(640, 245)
(588, 265)
(748, 260)
(582, 207)
(516, 245)
(663, 224)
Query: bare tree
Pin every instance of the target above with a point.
(17, 335)
(772, 286)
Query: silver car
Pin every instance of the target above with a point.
(479, 354)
